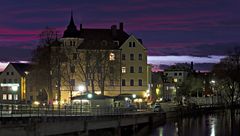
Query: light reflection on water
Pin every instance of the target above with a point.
(218, 124)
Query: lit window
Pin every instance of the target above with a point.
(175, 80)
(112, 56)
(15, 97)
(4, 96)
(124, 70)
(9, 96)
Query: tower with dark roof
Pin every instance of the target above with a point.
(71, 30)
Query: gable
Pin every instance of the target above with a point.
(132, 39)
(10, 69)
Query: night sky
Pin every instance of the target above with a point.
(205, 29)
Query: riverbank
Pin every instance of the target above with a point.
(173, 110)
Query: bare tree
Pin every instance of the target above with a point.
(228, 81)
(227, 76)
(42, 71)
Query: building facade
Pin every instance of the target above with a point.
(13, 83)
(173, 77)
(103, 61)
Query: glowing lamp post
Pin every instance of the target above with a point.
(81, 89)
(89, 96)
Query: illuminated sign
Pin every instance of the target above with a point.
(14, 86)
(9, 84)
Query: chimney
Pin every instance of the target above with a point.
(81, 27)
(191, 65)
(114, 30)
(121, 26)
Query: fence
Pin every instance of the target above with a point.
(74, 110)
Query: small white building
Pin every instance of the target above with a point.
(13, 83)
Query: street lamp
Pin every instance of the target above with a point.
(134, 96)
(89, 96)
(81, 89)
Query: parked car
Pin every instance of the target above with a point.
(157, 108)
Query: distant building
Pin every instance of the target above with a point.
(172, 77)
(13, 83)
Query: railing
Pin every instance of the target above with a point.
(74, 110)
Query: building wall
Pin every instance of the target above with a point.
(10, 77)
(128, 48)
(112, 87)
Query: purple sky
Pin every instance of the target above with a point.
(167, 27)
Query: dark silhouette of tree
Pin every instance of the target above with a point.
(228, 81)
(227, 77)
(44, 64)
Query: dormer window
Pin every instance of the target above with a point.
(111, 56)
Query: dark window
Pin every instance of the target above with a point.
(123, 82)
(7, 73)
(74, 56)
(9, 80)
(15, 80)
(4, 80)
(12, 73)
(72, 69)
(139, 56)
(131, 69)
(130, 44)
(111, 83)
(123, 57)
(131, 82)
(139, 69)
(166, 74)
(133, 44)
(131, 56)
(140, 82)
(72, 82)
(111, 70)
(175, 74)
(31, 98)
(99, 69)
(180, 74)
(180, 80)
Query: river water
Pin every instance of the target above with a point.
(216, 124)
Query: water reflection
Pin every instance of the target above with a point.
(218, 124)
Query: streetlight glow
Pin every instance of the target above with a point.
(134, 96)
(89, 96)
(81, 88)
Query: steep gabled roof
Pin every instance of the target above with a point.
(21, 67)
(102, 38)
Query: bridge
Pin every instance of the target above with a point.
(43, 121)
